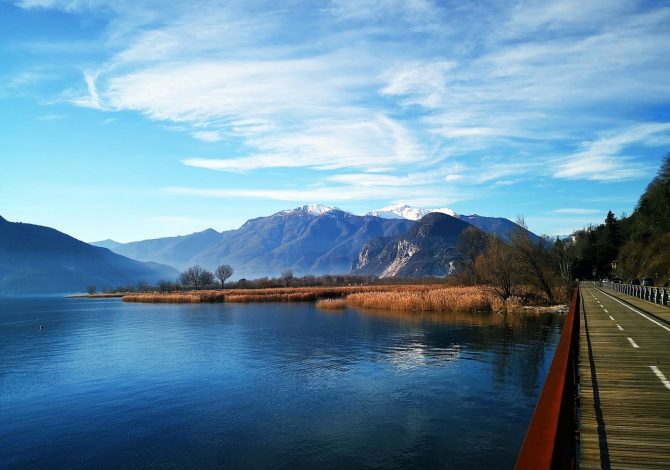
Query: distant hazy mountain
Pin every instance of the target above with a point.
(427, 249)
(494, 225)
(36, 259)
(312, 239)
(403, 211)
(109, 244)
(174, 251)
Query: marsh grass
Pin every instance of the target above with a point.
(177, 297)
(282, 294)
(331, 303)
(440, 299)
(408, 298)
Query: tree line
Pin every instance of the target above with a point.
(629, 247)
(519, 264)
(634, 246)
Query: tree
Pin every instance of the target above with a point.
(471, 244)
(287, 277)
(164, 286)
(91, 290)
(206, 278)
(565, 256)
(533, 258)
(196, 277)
(613, 232)
(223, 272)
(496, 267)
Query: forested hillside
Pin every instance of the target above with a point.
(639, 244)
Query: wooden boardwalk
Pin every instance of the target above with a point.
(624, 394)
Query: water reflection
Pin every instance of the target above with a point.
(111, 385)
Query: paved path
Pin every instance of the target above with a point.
(624, 382)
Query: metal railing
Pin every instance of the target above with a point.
(655, 295)
(550, 441)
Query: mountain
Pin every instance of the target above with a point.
(403, 211)
(311, 239)
(109, 244)
(494, 225)
(503, 228)
(174, 251)
(36, 259)
(427, 249)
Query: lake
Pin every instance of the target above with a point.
(107, 384)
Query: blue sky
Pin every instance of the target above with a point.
(140, 119)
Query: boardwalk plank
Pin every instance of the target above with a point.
(625, 408)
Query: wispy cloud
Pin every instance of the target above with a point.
(328, 194)
(91, 99)
(576, 211)
(602, 159)
(328, 145)
(51, 117)
(383, 94)
(298, 106)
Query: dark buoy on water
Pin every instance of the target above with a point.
(41, 327)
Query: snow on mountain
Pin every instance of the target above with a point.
(403, 211)
(311, 209)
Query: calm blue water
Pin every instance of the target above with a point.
(113, 385)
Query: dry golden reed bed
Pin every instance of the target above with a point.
(176, 297)
(331, 303)
(282, 294)
(442, 299)
(417, 298)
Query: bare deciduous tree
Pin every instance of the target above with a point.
(287, 277)
(533, 258)
(496, 267)
(196, 276)
(223, 272)
(565, 255)
(471, 244)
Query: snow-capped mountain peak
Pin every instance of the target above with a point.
(404, 211)
(311, 209)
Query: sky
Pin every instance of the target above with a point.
(134, 119)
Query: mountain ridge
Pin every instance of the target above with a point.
(39, 259)
(310, 239)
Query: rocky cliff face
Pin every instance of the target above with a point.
(427, 249)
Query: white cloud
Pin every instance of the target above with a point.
(576, 211)
(327, 146)
(51, 117)
(208, 136)
(92, 98)
(602, 160)
(328, 194)
(381, 84)
(421, 83)
(542, 86)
